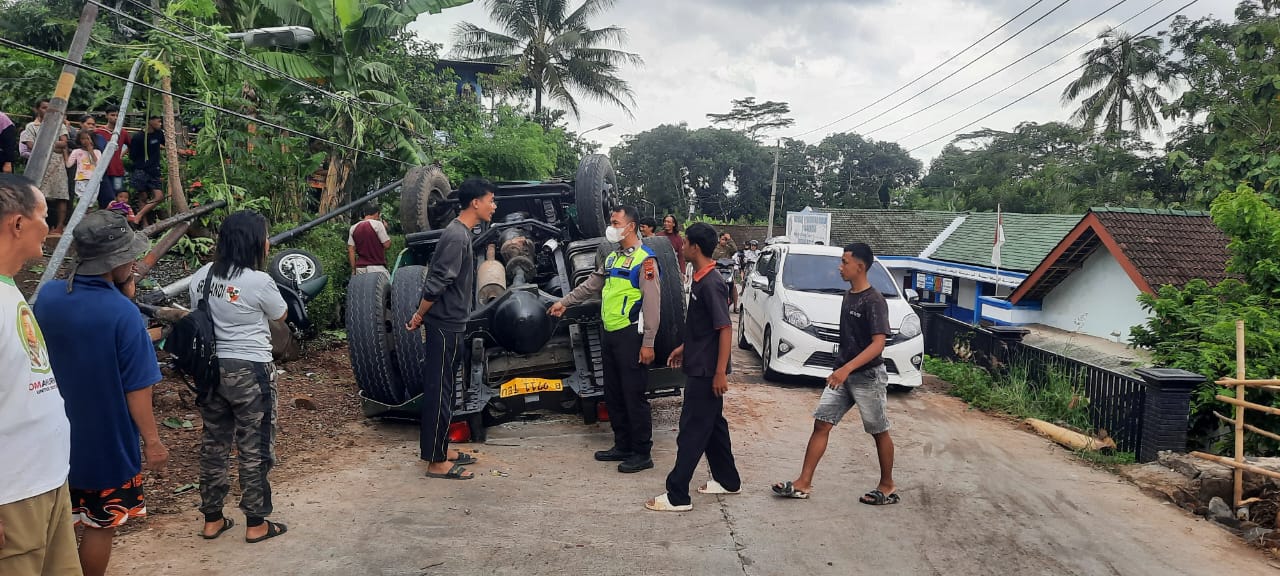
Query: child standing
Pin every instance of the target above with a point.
(84, 159)
(708, 337)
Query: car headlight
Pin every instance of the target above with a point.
(910, 327)
(794, 316)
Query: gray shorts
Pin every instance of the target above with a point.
(864, 389)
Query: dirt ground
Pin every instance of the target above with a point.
(979, 497)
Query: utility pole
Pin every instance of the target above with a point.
(773, 194)
(57, 112)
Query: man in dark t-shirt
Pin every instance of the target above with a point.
(144, 152)
(442, 316)
(705, 355)
(859, 380)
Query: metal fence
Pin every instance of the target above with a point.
(1115, 400)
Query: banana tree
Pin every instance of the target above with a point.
(371, 110)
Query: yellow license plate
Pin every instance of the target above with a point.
(519, 386)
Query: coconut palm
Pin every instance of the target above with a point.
(1125, 70)
(556, 51)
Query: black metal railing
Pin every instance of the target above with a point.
(1115, 400)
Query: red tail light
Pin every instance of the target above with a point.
(459, 432)
(602, 412)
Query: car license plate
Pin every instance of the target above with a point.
(519, 386)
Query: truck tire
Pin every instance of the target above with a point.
(369, 334)
(422, 194)
(671, 328)
(292, 265)
(595, 188)
(582, 259)
(411, 353)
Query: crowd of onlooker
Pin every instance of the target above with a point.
(77, 151)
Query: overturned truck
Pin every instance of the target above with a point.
(545, 239)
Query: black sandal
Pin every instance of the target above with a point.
(454, 473)
(273, 530)
(878, 498)
(227, 523)
(463, 459)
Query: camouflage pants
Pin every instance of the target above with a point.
(242, 409)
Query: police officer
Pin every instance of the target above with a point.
(631, 305)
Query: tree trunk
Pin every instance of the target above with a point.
(335, 182)
(176, 194)
(537, 101)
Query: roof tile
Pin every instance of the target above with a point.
(1170, 248)
(888, 232)
(1029, 238)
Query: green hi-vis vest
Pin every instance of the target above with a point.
(620, 305)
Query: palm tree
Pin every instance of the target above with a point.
(555, 50)
(1126, 69)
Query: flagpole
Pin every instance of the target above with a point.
(998, 248)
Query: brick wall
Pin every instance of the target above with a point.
(741, 234)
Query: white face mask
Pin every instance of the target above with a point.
(615, 235)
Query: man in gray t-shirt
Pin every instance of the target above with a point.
(446, 303)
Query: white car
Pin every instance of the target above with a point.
(791, 315)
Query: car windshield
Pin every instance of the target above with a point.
(821, 273)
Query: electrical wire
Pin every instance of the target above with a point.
(247, 60)
(63, 60)
(991, 75)
(1028, 76)
(922, 76)
(961, 69)
(1049, 83)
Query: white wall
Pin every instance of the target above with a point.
(1096, 300)
(966, 293)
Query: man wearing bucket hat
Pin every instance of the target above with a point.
(106, 366)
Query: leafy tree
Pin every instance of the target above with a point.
(1125, 70)
(557, 51)
(857, 172)
(752, 118)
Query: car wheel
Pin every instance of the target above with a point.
(370, 342)
(411, 348)
(671, 326)
(422, 200)
(766, 357)
(594, 188)
(901, 389)
(742, 332)
(293, 265)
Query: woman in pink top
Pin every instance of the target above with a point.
(84, 159)
(671, 230)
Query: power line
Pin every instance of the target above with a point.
(247, 60)
(215, 107)
(1050, 83)
(922, 76)
(1028, 76)
(960, 69)
(993, 74)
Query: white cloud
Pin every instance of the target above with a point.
(830, 57)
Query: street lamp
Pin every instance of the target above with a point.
(286, 36)
(600, 127)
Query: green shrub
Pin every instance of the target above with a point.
(1015, 393)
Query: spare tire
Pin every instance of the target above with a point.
(422, 200)
(291, 265)
(595, 189)
(370, 329)
(671, 328)
(411, 347)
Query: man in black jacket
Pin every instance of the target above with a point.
(442, 314)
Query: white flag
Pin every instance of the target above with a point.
(995, 248)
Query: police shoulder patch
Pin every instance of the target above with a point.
(650, 269)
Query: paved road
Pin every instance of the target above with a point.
(979, 497)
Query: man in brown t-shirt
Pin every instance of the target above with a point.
(367, 242)
(859, 380)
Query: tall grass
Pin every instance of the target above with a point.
(1057, 399)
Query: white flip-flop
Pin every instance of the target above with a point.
(714, 487)
(662, 504)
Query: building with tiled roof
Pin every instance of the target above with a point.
(889, 232)
(1090, 280)
(1028, 239)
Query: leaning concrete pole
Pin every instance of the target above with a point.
(773, 191)
(177, 196)
(82, 205)
(57, 112)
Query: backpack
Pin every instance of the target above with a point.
(192, 344)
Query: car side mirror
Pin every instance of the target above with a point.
(912, 295)
(760, 283)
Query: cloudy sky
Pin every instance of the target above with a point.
(829, 58)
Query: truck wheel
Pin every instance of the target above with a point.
(411, 353)
(294, 265)
(590, 410)
(479, 432)
(595, 187)
(369, 333)
(671, 328)
(422, 197)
